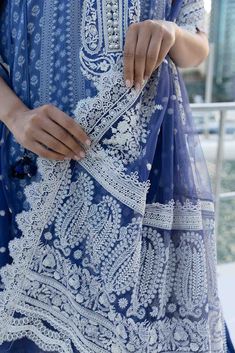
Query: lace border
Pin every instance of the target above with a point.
(175, 215)
(125, 188)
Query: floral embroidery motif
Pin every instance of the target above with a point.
(98, 269)
(111, 25)
(92, 28)
(128, 142)
(191, 277)
(78, 289)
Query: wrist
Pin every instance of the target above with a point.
(12, 114)
(178, 32)
(178, 36)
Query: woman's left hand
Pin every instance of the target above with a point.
(147, 44)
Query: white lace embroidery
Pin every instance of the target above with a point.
(92, 26)
(112, 18)
(124, 272)
(72, 298)
(111, 104)
(126, 188)
(176, 216)
(192, 16)
(130, 134)
(78, 302)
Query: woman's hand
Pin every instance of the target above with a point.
(46, 130)
(48, 127)
(146, 45)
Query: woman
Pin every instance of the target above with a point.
(107, 219)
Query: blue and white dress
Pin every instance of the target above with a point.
(115, 253)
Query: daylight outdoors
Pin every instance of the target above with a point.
(212, 94)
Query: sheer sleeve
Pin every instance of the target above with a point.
(4, 45)
(192, 16)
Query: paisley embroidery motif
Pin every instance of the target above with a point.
(96, 268)
(92, 26)
(71, 217)
(191, 281)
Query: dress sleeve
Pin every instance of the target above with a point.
(4, 46)
(192, 16)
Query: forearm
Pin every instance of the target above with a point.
(189, 49)
(10, 104)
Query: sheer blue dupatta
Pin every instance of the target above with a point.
(118, 252)
(5, 214)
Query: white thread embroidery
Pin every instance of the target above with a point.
(176, 216)
(122, 272)
(192, 16)
(120, 258)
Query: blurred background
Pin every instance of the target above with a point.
(211, 89)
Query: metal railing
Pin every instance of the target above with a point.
(222, 109)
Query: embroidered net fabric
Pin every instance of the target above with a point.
(115, 253)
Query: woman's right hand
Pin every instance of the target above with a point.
(48, 127)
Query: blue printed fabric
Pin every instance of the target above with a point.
(116, 252)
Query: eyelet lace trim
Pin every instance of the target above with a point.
(174, 215)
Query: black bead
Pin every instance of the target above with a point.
(23, 167)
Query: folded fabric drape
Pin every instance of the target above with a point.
(114, 253)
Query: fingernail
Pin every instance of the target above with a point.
(128, 83)
(88, 142)
(82, 154)
(77, 158)
(67, 158)
(137, 86)
(145, 78)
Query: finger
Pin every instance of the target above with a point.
(41, 150)
(164, 49)
(68, 124)
(152, 55)
(129, 52)
(54, 144)
(140, 55)
(69, 144)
